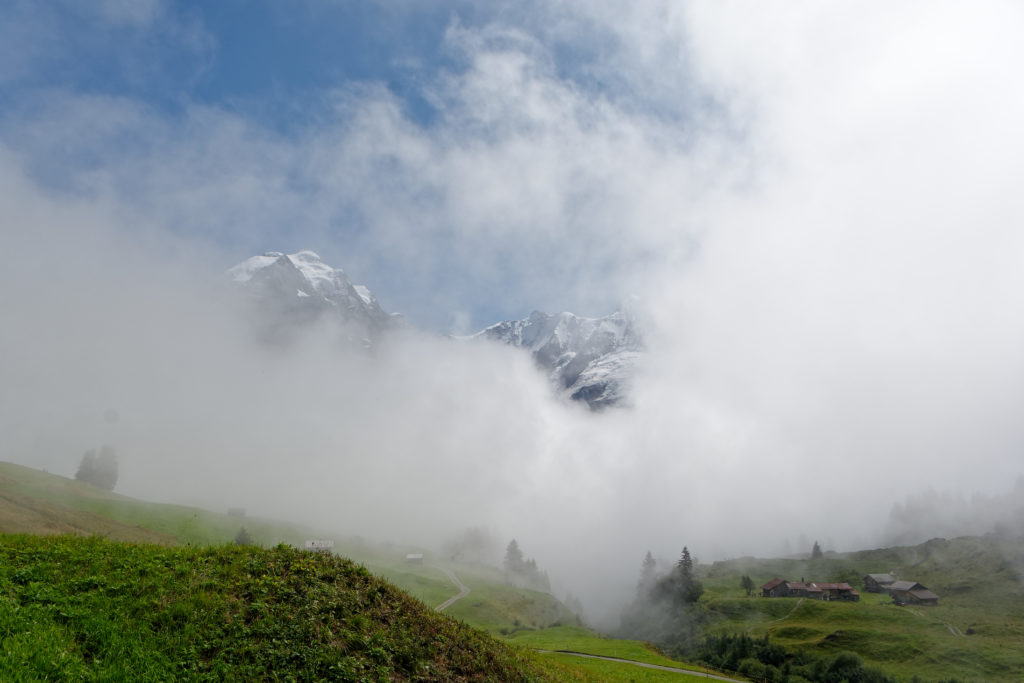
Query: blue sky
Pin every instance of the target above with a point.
(236, 53)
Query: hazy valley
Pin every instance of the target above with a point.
(970, 635)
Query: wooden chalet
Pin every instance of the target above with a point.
(924, 597)
(876, 583)
(903, 592)
(780, 588)
(838, 591)
(776, 588)
(800, 589)
(912, 593)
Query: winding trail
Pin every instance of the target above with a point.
(464, 591)
(775, 621)
(645, 665)
(953, 630)
(463, 588)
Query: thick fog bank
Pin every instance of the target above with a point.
(816, 212)
(411, 443)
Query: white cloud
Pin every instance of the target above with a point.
(824, 237)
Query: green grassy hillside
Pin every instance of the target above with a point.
(75, 608)
(492, 604)
(37, 502)
(524, 618)
(46, 641)
(975, 633)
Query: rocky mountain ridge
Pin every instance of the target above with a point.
(586, 359)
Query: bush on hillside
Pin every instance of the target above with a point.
(99, 469)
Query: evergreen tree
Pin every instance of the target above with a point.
(243, 537)
(667, 612)
(513, 558)
(99, 469)
(816, 551)
(748, 584)
(685, 588)
(87, 467)
(524, 572)
(685, 563)
(647, 576)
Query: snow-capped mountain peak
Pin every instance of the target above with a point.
(293, 289)
(586, 359)
(327, 281)
(244, 271)
(322, 278)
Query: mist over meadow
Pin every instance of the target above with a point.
(815, 211)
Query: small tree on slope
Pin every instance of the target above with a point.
(99, 469)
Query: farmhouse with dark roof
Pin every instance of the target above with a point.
(780, 588)
(877, 583)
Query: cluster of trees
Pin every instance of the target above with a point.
(99, 469)
(761, 660)
(666, 608)
(524, 572)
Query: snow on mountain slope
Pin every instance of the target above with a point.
(294, 290)
(588, 359)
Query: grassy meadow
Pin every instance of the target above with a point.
(976, 633)
(129, 590)
(91, 608)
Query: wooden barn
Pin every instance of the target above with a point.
(776, 588)
(912, 593)
(838, 591)
(800, 589)
(877, 583)
(780, 588)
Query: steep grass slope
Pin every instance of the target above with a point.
(75, 608)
